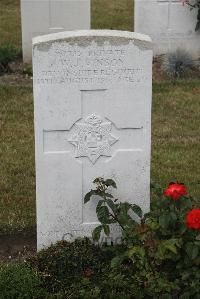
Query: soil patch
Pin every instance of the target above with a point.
(16, 79)
(19, 74)
(17, 247)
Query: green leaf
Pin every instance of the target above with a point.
(125, 207)
(103, 214)
(116, 261)
(99, 204)
(164, 221)
(173, 216)
(97, 233)
(111, 204)
(137, 210)
(185, 203)
(106, 229)
(170, 245)
(110, 182)
(192, 250)
(89, 195)
(182, 229)
(136, 250)
(153, 224)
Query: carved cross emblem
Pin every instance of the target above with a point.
(92, 138)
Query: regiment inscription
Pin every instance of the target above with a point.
(93, 64)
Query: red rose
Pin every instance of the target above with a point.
(193, 219)
(175, 191)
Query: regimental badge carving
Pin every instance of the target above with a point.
(93, 138)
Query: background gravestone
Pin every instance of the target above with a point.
(170, 25)
(41, 17)
(92, 97)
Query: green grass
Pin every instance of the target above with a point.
(115, 14)
(10, 23)
(112, 14)
(175, 134)
(17, 173)
(175, 148)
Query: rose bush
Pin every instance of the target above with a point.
(158, 256)
(161, 250)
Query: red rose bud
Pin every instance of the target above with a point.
(175, 191)
(193, 219)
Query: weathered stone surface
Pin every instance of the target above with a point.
(92, 97)
(41, 17)
(170, 25)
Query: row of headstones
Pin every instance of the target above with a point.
(169, 24)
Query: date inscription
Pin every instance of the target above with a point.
(74, 65)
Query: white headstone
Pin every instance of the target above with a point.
(170, 25)
(92, 96)
(39, 17)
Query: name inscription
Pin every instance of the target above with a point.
(73, 64)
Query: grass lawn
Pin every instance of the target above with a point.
(175, 150)
(10, 23)
(175, 134)
(17, 177)
(110, 14)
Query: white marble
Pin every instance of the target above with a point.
(39, 17)
(92, 98)
(170, 25)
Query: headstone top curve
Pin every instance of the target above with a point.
(65, 35)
